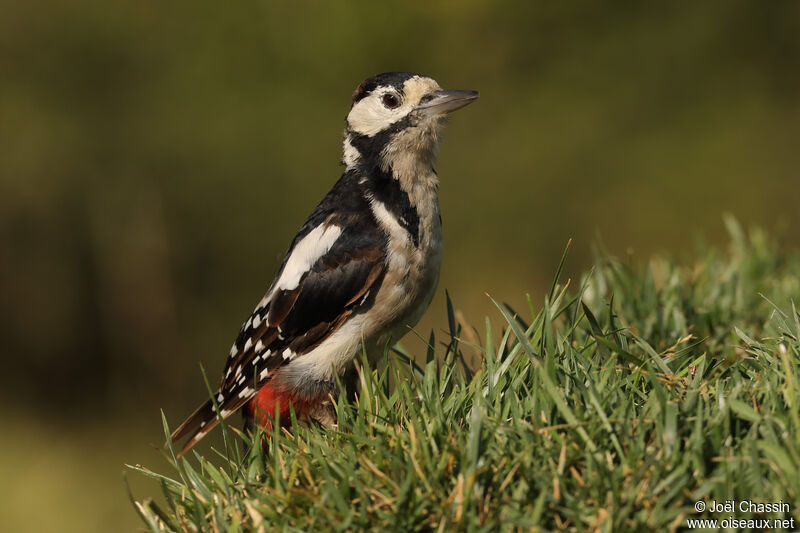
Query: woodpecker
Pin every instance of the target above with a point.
(359, 273)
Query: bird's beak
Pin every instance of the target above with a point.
(443, 102)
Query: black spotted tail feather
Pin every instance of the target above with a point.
(199, 423)
(204, 419)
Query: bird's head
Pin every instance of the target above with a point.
(395, 120)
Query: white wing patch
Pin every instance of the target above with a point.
(306, 253)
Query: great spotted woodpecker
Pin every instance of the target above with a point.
(362, 269)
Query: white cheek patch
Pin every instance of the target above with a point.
(306, 253)
(369, 115)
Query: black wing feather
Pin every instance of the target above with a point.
(303, 317)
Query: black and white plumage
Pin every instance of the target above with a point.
(362, 268)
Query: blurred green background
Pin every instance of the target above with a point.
(157, 157)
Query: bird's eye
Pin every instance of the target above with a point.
(391, 100)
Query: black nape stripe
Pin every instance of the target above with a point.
(386, 189)
(370, 148)
(382, 184)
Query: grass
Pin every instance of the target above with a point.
(615, 404)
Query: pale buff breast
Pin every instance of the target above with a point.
(412, 272)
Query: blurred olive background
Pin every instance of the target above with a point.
(157, 158)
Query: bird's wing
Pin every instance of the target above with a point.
(327, 273)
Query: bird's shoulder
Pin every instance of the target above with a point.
(345, 204)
